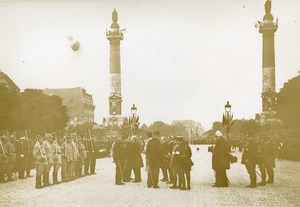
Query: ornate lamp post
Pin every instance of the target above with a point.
(134, 119)
(227, 120)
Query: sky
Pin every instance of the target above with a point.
(180, 59)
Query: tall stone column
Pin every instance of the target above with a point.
(114, 34)
(267, 28)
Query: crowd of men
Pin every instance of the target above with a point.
(15, 156)
(257, 152)
(170, 154)
(75, 156)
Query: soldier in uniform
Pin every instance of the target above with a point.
(3, 158)
(81, 158)
(75, 159)
(56, 152)
(165, 164)
(47, 145)
(22, 156)
(250, 159)
(118, 154)
(267, 161)
(12, 157)
(221, 160)
(30, 160)
(40, 157)
(67, 159)
(90, 162)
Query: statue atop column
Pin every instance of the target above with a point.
(268, 6)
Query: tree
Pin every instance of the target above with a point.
(288, 103)
(9, 100)
(250, 127)
(41, 112)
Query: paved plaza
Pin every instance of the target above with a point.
(99, 189)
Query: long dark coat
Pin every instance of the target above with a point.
(221, 155)
(134, 157)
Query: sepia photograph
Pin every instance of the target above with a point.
(155, 103)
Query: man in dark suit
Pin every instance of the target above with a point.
(118, 154)
(153, 158)
(221, 160)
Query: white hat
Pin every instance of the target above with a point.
(218, 134)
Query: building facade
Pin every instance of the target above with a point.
(195, 129)
(7, 82)
(79, 103)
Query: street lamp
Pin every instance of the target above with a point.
(227, 120)
(134, 118)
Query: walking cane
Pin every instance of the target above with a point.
(124, 167)
(255, 171)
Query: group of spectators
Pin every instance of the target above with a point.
(171, 155)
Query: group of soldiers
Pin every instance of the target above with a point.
(75, 156)
(15, 156)
(259, 152)
(172, 155)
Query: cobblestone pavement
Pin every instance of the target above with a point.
(99, 189)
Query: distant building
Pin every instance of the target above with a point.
(194, 128)
(7, 82)
(79, 103)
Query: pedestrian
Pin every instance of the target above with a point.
(153, 158)
(40, 157)
(221, 160)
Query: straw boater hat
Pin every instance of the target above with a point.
(218, 134)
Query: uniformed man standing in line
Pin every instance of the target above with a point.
(40, 157)
(221, 160)
(81, 158)
(250, 159)
(22, 156)
(3, 158)
(55, 148)
(153, 158)
(67, 159)
(47, 145)
(90, 162)
(12, 157)
(75, 159)
(118, 154)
